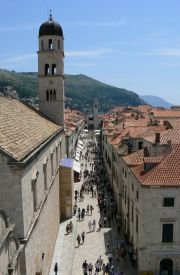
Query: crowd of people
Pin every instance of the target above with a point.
(95, 183)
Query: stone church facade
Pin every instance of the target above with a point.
(32, 143)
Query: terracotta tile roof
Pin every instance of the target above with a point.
(166, 113)
(167, 173)
(135, 158)
(172, 135)
(175, 123)
(153, 159)
(144, 108)
(22, 129)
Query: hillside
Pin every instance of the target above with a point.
(156, 101)
(80, 90)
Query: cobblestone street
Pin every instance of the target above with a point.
(69, 256)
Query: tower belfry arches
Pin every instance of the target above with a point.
(51, 70)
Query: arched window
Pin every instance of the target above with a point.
(51, 95)
(47, 95)
(166, 267)
(47, 70)
(50, 45)
(42, 45)
(54, 95)
(53, 69)
(59, 44)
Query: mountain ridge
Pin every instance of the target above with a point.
(80, 90)
(156, 101)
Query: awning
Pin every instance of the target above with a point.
(80, 142)
(76, 166)
(78, 154)
(78, 150)
(80, 146)
(76, 157)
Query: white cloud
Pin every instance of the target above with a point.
(102, 24)
(79, 64)
(166, 52)
(90, 53)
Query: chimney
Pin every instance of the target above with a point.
(157, 138)
(146, 153)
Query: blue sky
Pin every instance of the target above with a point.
(132, 44)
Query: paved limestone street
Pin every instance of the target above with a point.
(68, 255)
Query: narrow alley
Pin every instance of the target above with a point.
(95, 219)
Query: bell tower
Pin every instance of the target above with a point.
(95, 114)
(51, 71)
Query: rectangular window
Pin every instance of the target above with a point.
(45, 162)
(132, 213)
(52, 166)
(137, 224)
(167, 232)
(132, 186)
(137, 194)
(34, 189)
(168, 202)
(57, 156)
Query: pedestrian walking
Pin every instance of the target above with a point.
(104, 268)
(94, 225)
(92, 190)
(79, 216)
(100, 224)
(83, 236)
(110, 257)
(85, 265)
(82, 215)
(90, 268)
(107, 268)
(79, 239)
(56, 268)
(91, 209)
(90, 226)
(98, 267)
(100, 260)
(87, 210)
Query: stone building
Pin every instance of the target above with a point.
(95, 114)
(32, 143)
(143, 166)
(10, 247)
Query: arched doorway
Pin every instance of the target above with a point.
(166, 267)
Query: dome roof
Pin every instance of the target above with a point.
(50, 28)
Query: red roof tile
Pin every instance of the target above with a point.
(167, 173)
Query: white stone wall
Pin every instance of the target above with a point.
(50, 152)
(16, 196)
(11, 193)
(154, 214)
(43, 237)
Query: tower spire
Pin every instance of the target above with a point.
(50, 16)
